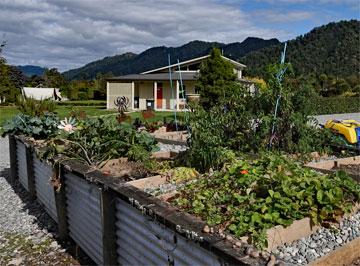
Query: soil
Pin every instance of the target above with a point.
(123, 168)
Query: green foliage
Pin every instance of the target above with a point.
(83, 103)
(327, 55)
(10, 79)
(32, 126)
(32, 107)
(216, 75)
(250, 196)
(98, 140)
(335, 105)
(138, 153)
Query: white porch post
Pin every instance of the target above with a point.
(177, 95)
(155, 95)
(107, 96)
(132, 95)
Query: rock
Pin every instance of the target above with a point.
(265, 254)
(16, 261)
(229, 238)
(272, 261)
(54, 245)
(339, 240)
(254, 254)
(238, 243)
(206, 229)
(312, 245)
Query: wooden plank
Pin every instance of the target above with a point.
(344, 255)
(60, 201)
(108, 219)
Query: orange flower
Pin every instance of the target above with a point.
(244, 172)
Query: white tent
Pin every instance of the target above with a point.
(42, 93)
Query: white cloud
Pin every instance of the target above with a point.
(278, 16)
(67, 34)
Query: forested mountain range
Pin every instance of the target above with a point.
(332, 49)
(158, 56)
(30, 70)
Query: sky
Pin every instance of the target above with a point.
(66, 34)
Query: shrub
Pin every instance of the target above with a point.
(83, 103)
(32, 107)
(336, 105)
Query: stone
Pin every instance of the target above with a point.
(238, 243)
(16, 261)
(312, 245)
(229, 238)
(254, 254)
(339, 240)
(206, 229)
(272, 261)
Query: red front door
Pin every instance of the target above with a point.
(159, 96)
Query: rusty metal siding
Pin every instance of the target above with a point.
(141, 241)
(84, 216)
(44, 190)
(22, 164)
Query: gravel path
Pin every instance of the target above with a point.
(320, 243)
(27, 233)
(323, 118)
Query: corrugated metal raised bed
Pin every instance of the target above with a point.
(84, 216)
(144, 242)
(44, 189)
(22, 164)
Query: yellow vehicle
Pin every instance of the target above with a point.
(349, 129)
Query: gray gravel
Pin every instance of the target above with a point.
(172, 147)
(305, 250)
(27, 233)
(323, 118)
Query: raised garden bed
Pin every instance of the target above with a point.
(350, 165)
(87, 189)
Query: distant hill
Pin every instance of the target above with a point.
(332, 49)
(30, 70)
(158, 56)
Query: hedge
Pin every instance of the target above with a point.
(336, 105)
(84, 103)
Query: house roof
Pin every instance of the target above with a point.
(40, 93)
(194, 60)
(157, 76)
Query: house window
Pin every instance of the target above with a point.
(182, 92)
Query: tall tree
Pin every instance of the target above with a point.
(216, 74)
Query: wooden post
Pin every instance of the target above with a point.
(30, 170)
(108, 218)
(155, 95)
(13, 159)
(60, 201)
(177, 95)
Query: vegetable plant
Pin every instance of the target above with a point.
(251, 196)
(32, 126)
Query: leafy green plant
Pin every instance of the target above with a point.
(98, 140)
(32, 126)
(251, 196)
(33, 107)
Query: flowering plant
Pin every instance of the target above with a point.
(68, 125)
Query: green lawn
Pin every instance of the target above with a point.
(7, 112)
